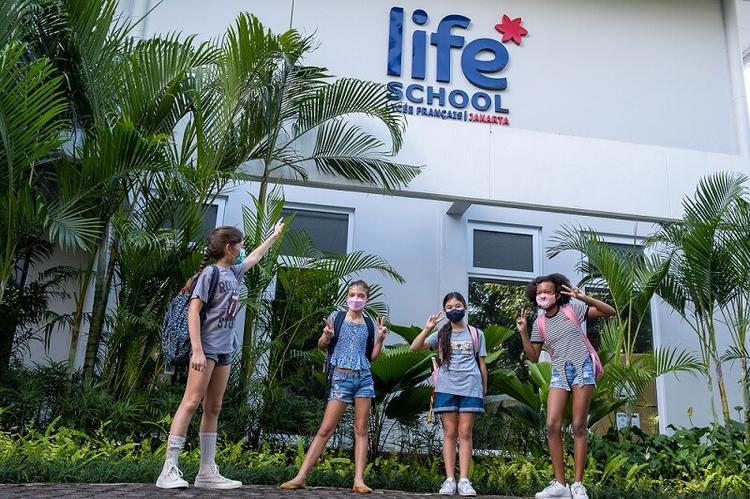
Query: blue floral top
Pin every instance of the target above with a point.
(351, 348)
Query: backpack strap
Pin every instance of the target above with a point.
(475, 340)
(370, 338)
(211, 289)
(541, 324)
(572, 317)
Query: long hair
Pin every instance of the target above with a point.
(215, 244)
(444, 334)
(558, 280)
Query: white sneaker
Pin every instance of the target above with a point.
(465, 488)
(210, 478)
(578, 491)
(171, 478)
(554, 489)
(448, 488)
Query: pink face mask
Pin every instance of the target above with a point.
(356, 304)
(545, 300)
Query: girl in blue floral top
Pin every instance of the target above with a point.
(350, 381)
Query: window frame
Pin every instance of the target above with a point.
(338, 210)
(506, 274)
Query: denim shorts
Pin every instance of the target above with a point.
(586, 377)
(348, 385)
(220, 359)
(447, 402)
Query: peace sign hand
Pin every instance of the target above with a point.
(328, 329)
(382, 329)
(433, 320)
(573, 292)
(522, 323)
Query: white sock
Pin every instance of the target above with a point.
(208, 449)
(174, 447)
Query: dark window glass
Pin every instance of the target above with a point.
(329, 232)
(503, 250)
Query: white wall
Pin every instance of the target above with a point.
(633, 94)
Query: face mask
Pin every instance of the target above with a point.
(356, 304)
(545, 300)
(455, 315)
(240, 257)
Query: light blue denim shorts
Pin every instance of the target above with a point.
(347, 385)
(572, 377)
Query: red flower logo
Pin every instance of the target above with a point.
(511, 29)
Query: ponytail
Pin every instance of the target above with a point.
(444, 345)
(204, 262)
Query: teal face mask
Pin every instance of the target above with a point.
(241, 257)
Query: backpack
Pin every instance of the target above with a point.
(541, 322)
(436, 368)
(338, 321)
(175, 337)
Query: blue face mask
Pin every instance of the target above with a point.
(241, 257)
(455, 315)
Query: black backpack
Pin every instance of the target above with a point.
(338, 321)
(175, 337)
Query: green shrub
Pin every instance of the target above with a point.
(704, 464)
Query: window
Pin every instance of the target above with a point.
(328, 230)
(213, 217)
(643, 343)
(506, 251)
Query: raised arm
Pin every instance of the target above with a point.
(532, 349)
(380, 334)
(419, 342)
(597, 308)
(259, 252)
(326, 335)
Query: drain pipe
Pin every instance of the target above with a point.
(736, 75)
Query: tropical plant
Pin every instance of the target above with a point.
(297, 120)
(632, 279)
(33, 128)
(736, 307)
(706, 249)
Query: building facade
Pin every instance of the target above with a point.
(598, 113)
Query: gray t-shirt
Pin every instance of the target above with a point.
(218, 335)
(463, 376)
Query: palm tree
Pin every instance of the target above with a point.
(701, 283)
(632, 279)
(293, 119)
(32, 129)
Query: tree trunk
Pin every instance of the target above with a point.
(249, 333)
(75, 330)
(745, 395)
(104, 275)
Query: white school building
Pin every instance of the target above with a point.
(528, 115)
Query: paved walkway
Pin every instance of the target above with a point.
(117, 490)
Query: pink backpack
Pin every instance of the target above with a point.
(436, 368)
(541, 322)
